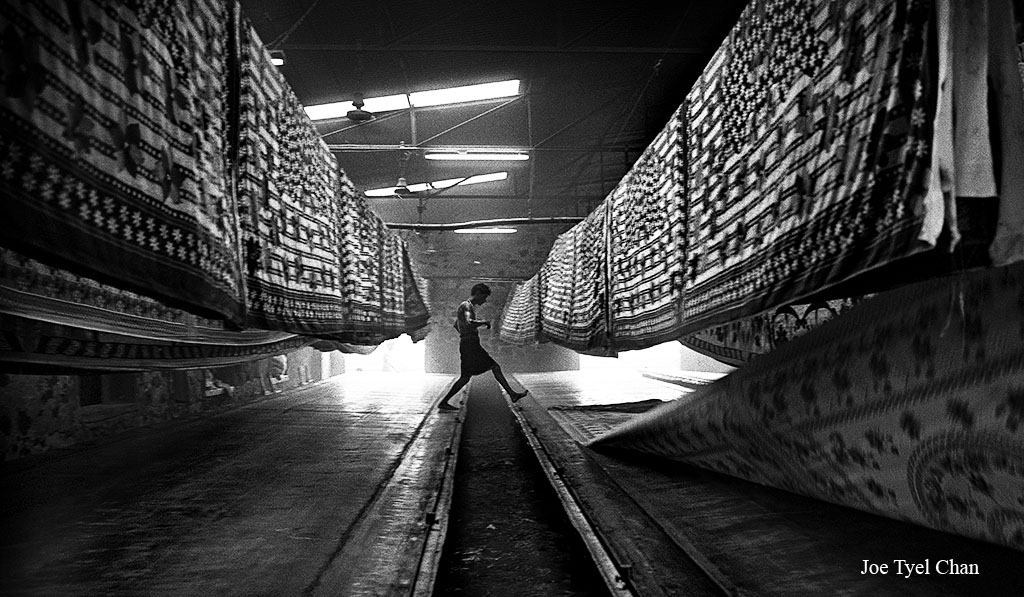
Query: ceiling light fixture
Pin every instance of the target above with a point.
(468, 93)
(485, 231)
(420, 99)
(466, 155)
(440, 184)
(389, 103)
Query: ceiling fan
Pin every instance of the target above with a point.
(358, 114)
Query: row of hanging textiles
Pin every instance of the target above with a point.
(161, 182)
(814, 160)
(856, 252)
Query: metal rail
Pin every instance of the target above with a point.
(613, 574)
(437, 519)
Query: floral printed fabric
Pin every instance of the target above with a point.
(112, 137)
(910, 405)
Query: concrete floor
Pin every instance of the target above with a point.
(322, 490)
(326, 490)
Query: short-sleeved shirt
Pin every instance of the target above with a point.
(463, 315)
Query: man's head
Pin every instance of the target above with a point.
(479, 293)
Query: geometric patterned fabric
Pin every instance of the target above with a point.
(288, 202)
(120, 184)
(521, 315)
(809, 137)
(736, 342)
(112, 138)
(910, 405)
(796, 169)
(319, 261)
(52, 318)
(645, 286)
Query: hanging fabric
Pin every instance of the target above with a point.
(54, 319)
(521, 316)
(112, 132)
(808, 141)
(643, 297)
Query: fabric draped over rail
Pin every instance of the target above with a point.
(112, 137)
(169, 204)
(829, 228)
(810, 163)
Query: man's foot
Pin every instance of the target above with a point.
(446, 406)
(518, 397)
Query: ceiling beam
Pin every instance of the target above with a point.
(478, 49)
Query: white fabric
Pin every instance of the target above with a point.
(1008, 97)
(974, 169)
(939, 205)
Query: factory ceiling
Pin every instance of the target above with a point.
(598, 81)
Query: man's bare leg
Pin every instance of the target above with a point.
(458, 385)
(498, 375)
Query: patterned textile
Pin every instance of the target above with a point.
(417, 317)
(910, 405)
(319, 261)
(288, 188)
(362, 238)
(58, 320)
(392, 282)
(520, 318)
(555, 293)
(53, 347)
(587, 319)
(570, 292)
(112, 144)
(737, 342)
(808, 138)
(32, 290)
(644, 293)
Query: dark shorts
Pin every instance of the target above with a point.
(475, 359)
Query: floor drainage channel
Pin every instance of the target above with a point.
(507, 533)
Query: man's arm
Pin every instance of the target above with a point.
(474, 322)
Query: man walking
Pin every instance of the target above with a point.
(474, 358)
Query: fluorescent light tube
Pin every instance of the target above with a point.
(388, 103)
(437, 97)
(469, 93)
(485, 231)
(470, 155)
(440, 184)
(485, 178)
(385, 192)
